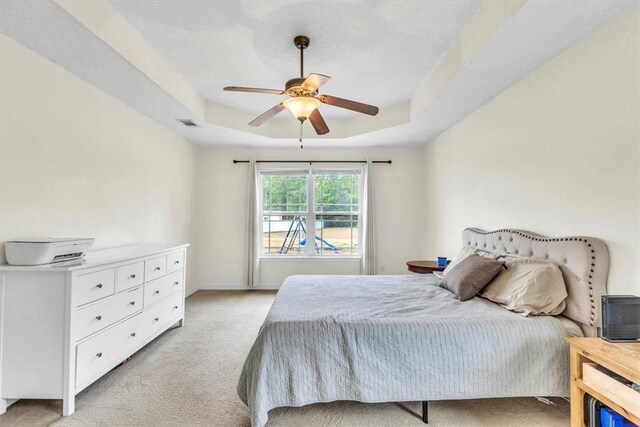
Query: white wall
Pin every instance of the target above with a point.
(222, 208)
(76, 162)
(558, 153)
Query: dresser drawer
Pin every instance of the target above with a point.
(175, 261)
(156, 290)
(129, 276)
(94, 286)
(97, 316)
(160, 315)
(154, 268)
(176, 280)
(105, 350)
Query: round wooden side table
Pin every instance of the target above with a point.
(424, 267)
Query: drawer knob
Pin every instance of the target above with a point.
(99, 285)
(156, 319)
(176, 283)
(177, 262)
(156, 269)
(98, 317)
(156, 292)
(175, 307)
(133, 276)
(132, 303)
(133, 334)
(99, 354)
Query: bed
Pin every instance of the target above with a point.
(402, 338)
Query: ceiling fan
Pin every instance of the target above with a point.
(303, 98)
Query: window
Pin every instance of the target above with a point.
(317, 204)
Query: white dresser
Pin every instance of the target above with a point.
(62, 328)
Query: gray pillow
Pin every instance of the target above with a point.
(472, 274)
(465, 252)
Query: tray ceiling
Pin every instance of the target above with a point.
(376, 52)
(426, 64)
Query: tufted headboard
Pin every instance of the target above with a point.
(584, 262)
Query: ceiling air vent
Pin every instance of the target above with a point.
(187, 122)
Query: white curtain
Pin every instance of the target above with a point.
(368, 265)
(253, 226)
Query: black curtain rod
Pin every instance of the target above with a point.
(313, 161)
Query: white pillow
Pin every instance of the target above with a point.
(529, 287)
(464, 253)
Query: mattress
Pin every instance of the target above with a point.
(571, 328)
(395, 339)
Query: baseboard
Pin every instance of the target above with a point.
(191, 291)
(235, 287)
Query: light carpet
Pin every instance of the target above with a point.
(188, 377)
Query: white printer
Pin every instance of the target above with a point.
(46, 251)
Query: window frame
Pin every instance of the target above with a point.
(310, 252)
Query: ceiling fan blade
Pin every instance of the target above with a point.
(371, 110)
(253, 89)
(266, 115)
(314, 81)
(318, 122)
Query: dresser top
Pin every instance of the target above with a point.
(100, 257)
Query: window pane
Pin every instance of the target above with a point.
(284, 234)
(284, 193)
(284, 196)
(337, 191)
(337, 234)
(337, 208)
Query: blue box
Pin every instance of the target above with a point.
(610, 418)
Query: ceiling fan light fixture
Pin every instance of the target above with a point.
(304, 97)
(301, 106)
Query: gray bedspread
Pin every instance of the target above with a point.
(395, 339)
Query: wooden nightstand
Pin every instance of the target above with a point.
(424, 267)
(621, 358)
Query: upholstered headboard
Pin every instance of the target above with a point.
(584, 262)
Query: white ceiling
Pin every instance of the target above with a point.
(377, 52)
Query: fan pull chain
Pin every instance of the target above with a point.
(301, 135)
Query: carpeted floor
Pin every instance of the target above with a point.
(187, 377)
